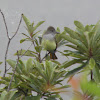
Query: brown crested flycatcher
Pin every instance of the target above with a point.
(49, 41)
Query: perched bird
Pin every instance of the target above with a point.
(49, 41)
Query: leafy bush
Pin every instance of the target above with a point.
(40, 77)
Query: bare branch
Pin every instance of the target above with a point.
(9, 39)
(6, 58)
(39, 56)
(13, 73)
(5, 24)
(45, 56)
(17, 28)
(33, 43)
(8, 69)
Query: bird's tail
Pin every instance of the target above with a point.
(53, 56)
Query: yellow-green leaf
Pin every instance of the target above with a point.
(91, 63)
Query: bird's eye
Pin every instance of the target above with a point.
(51, 30)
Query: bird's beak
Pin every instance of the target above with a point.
(57, 32)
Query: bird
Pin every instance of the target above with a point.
(49, 42)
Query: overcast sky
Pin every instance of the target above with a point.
(58, 13)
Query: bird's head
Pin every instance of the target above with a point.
(52, 30)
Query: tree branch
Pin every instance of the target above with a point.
(45, 56)
(5, 23)
(17, 27)
(13, 73)
(26, 50)
(9, 40)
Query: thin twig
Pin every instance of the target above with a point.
(17, 28)
(9, 40)
(6, 58)
(45, 56)
(39, 56)
(8, 69)
(13, 73)
(26, 50)
(5, 23)
(33, 43)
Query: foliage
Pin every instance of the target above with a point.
(7, 95)
(40, 77)
(89, 89)
(84, 42)
(0, 63)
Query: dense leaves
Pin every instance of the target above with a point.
(85, 44)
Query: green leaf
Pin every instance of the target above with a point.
(59, 37)
(33, 97)
(29, 64)
(75, 54)
(54, 97)
(72, 33)
(38, 24)
(79, 44)
(32, 23)
(63, 87)
(51, 98)
(96, 26)
(27, 78)
(16, 96)
(7, 79)
(38, 67)
(79, 25)
(38, 48)
(58, 29)
(62, 43)
(56, 62)
(25, 35)
(91, 63)
(7, 95)
(26, 53)
(28, 24)
(72, 72)
(0, 63)
(96, 74)
(12, 63)
(70, 39)
(36, 41)
(90, 88)
(35, 88)
(3, 94)
(72, 62)
(10, 95)
(40, 40)
(89, 28)
(35, 34)
(72, 46)
(49, 70)
(23, 40)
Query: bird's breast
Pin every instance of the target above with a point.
(48, 37)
